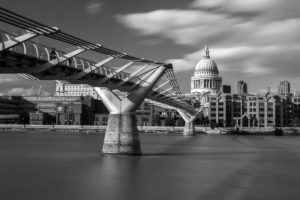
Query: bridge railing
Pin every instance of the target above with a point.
(44, 52)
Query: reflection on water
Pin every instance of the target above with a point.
(71, 166)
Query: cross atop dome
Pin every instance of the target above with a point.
(206, 51)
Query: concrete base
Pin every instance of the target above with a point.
(189, 129)
(122, 135)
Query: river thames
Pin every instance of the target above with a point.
(64, 166)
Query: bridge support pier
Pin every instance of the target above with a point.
(122, 136)
(189, 128)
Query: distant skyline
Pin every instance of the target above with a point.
(257, 41)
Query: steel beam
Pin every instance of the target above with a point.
(25, 37)
(91, 69)
(56, 61)
(17, 40)
(134, 74)
(109, 76)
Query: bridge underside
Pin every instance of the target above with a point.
(11, 62)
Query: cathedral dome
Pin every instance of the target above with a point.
(206, 78)
(206, 66)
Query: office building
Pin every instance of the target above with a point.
(242, 87)
(67, 89)
(284, 88)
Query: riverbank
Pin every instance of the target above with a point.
(154, 129)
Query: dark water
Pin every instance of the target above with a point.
(47, 166)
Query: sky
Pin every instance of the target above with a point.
(257, 41)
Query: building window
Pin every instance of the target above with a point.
(146, 106)
(104, 120)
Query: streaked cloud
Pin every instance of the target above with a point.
(93, 7)
(234, 6)
(170, 24)
(248, 38)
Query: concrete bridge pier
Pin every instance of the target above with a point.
(189, 127)
(122, 135)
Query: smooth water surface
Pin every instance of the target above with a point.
(64, 166)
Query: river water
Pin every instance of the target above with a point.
(64, 166)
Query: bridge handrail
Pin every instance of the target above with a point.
(32, 25)
(91, 63)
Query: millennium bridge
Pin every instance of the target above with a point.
(122, 87)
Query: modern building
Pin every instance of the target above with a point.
(242, 87)
(206, 78)
(144, 115)
(226, 89)
(296, 110)
(284, 88)
(67, 89)
(15, 110)
(228, 110)
(67, 110)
